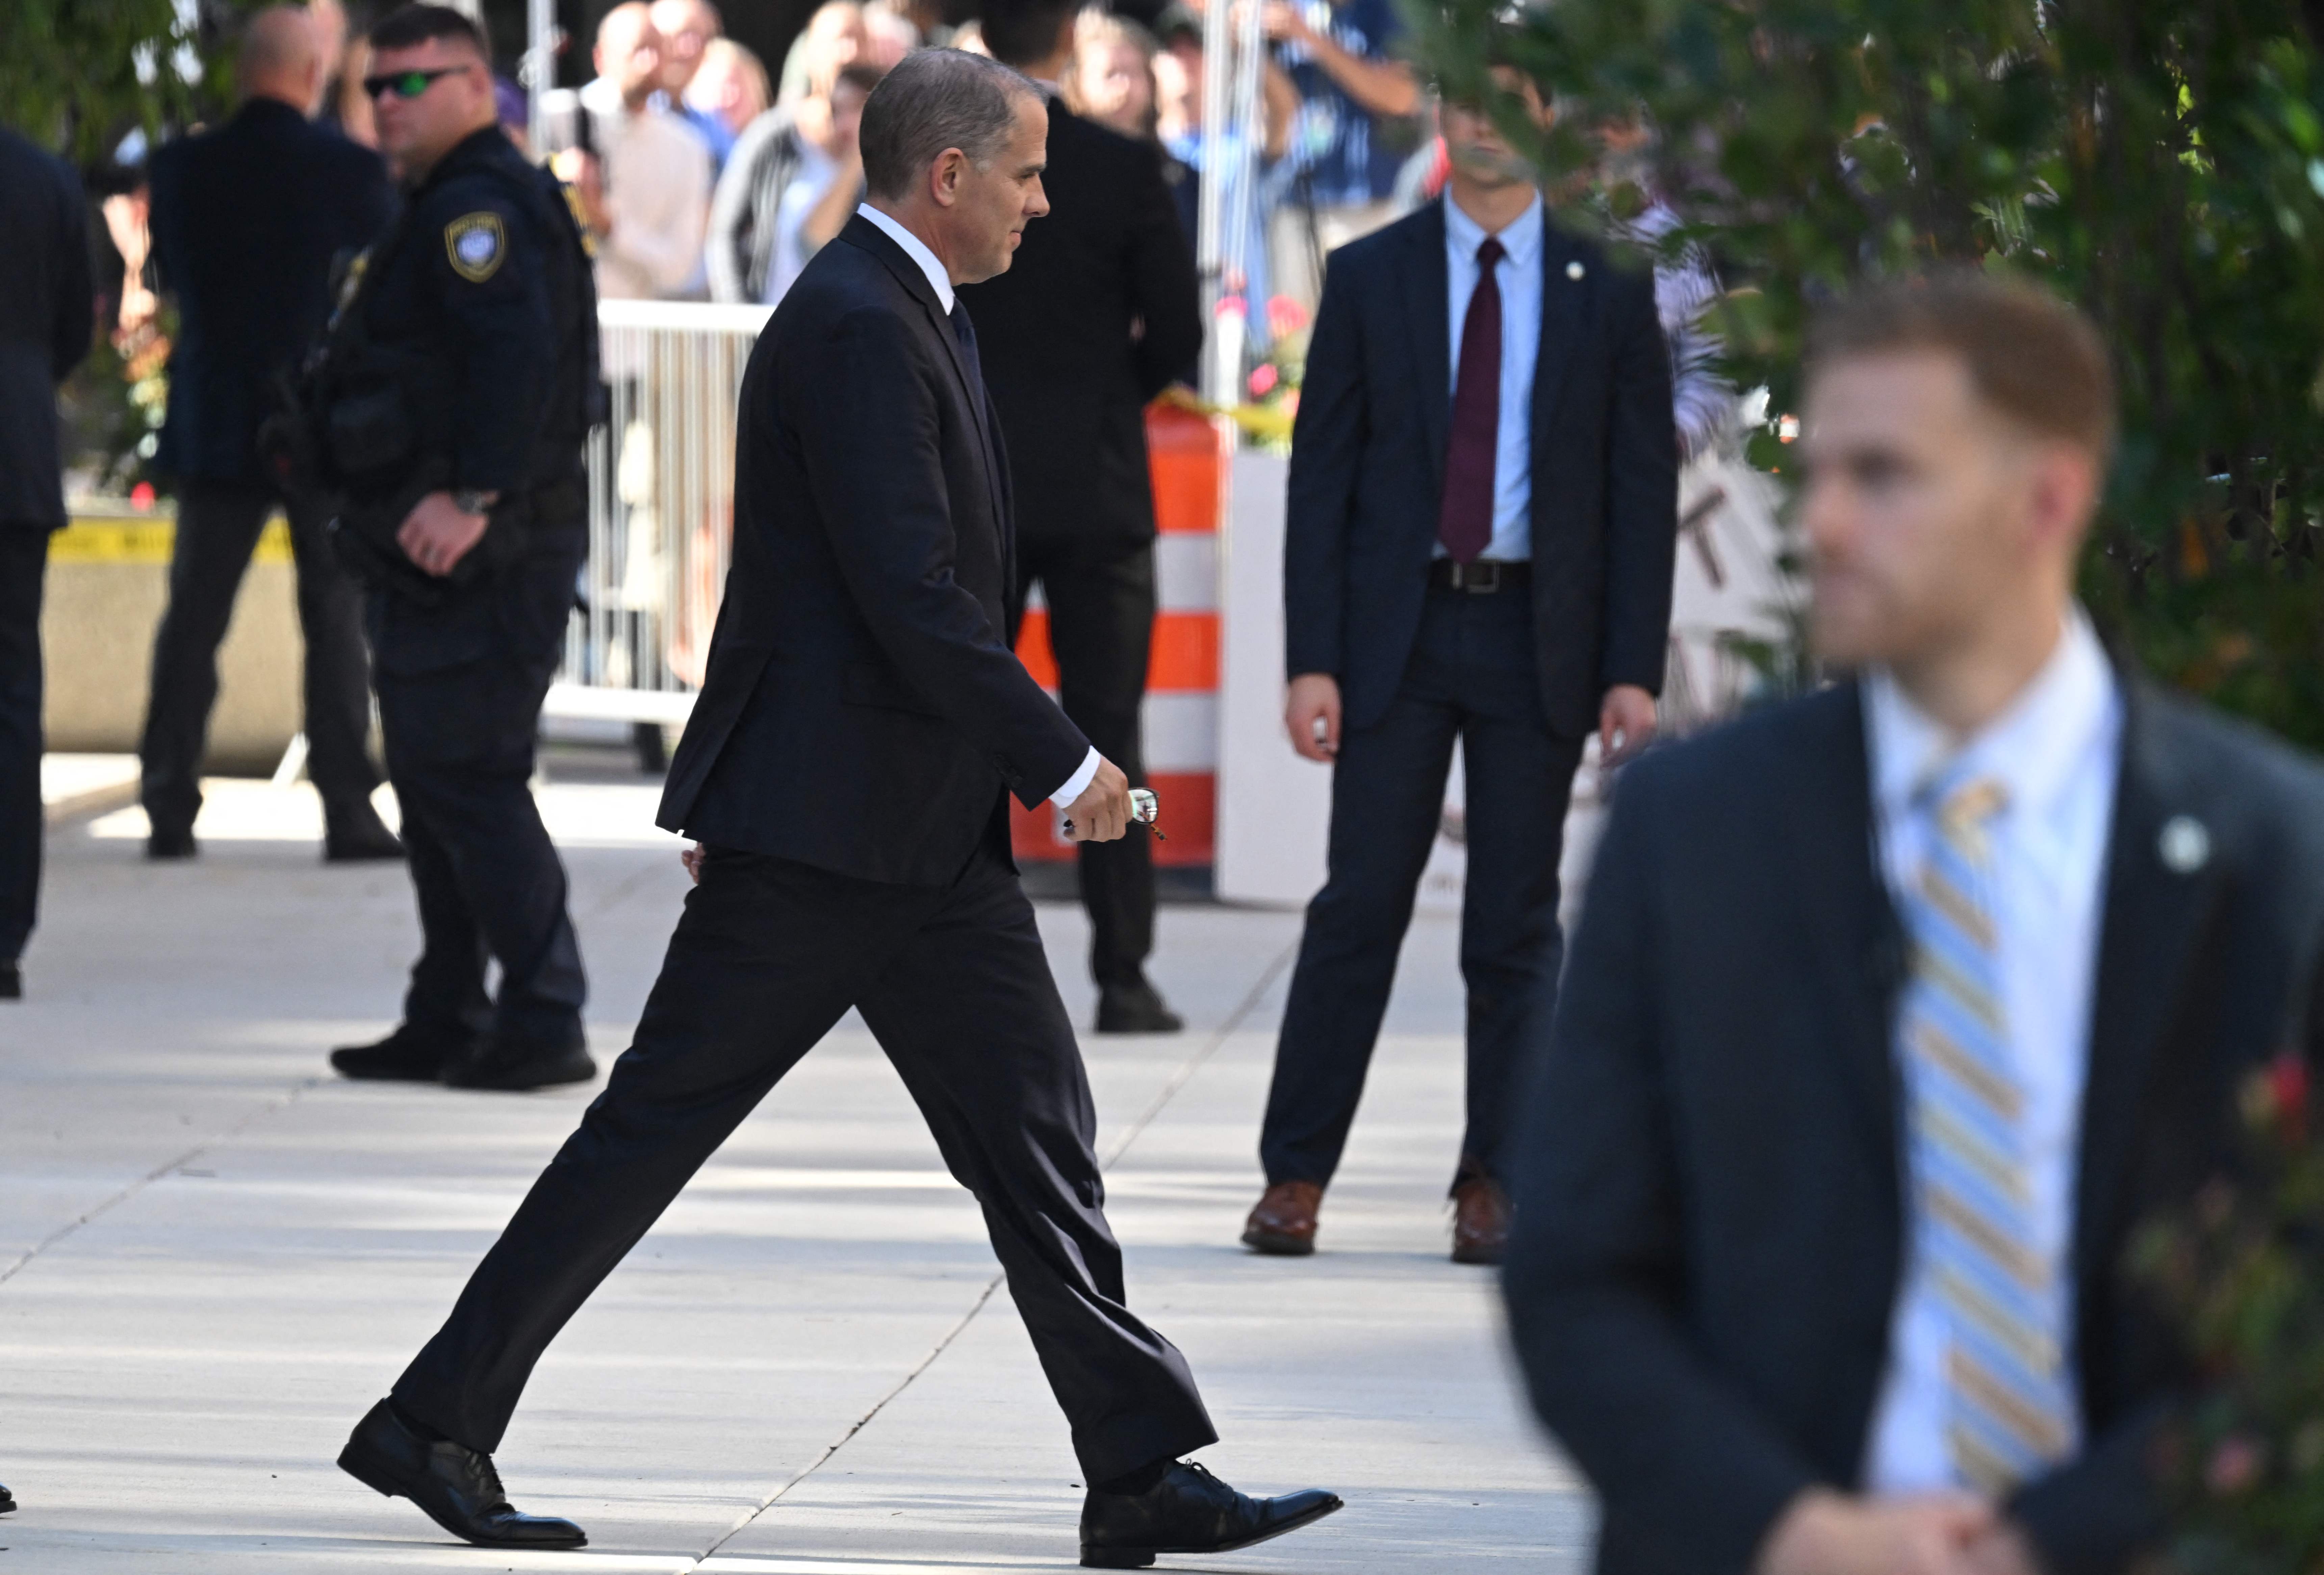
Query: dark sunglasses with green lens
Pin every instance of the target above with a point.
(407, 84)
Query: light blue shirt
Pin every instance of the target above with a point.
(1519, 277)
(940, 281)
(2058, 751)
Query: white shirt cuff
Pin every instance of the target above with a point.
(1077, 783)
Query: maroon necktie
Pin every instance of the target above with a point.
(1465, 522)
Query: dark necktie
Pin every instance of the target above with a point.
(1465, 521)
(965, 332)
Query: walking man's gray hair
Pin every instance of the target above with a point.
(933, 100)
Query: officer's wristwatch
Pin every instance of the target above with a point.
(470, 501)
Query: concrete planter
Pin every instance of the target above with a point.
(109, 581)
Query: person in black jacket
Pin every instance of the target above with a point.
(1483, 512)
(1896, 1011)
(47, 308)
(469, 340)
(846, 772)
(247, 220)
(1099, 314)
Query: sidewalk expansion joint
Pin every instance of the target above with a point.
(1177, 1081)
(235, 1129)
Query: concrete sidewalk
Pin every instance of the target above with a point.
(213, 1257)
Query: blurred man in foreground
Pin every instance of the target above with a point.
(1894, 1011)
(247, 221)
(47, 310)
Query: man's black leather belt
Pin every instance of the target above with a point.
(1481, 577)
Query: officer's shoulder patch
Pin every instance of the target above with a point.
(475, 243)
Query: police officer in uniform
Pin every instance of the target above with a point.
(458, 384)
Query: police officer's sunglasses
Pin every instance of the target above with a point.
(407, 84)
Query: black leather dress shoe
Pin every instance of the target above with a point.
(1189, 1511)
(455, 1485)
(1135, 1008)
(6, 1502)
(516, 1066)
(403, 1057)
(171, 842)
(361, 840)
(12, 982)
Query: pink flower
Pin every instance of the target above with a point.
(1262, 380)
(1285, 315)
(1229, 306)
(2235, 1465)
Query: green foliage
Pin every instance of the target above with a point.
(2244, 1463)
(75, 74)
(2161, 163)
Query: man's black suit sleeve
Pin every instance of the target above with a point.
(1641, 495)
(1327, 443)
(1164, 293)
(1688, 1474)
(864, 408)
(74, 312)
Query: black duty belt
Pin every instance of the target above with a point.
(1482, 577)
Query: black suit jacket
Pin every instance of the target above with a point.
(1368, 471)
(1709, 1243)
(246, 219)
(47, 308)
(862, 710)
(1097, 315)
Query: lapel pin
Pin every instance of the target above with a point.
(2184, 844)
(1573, 270)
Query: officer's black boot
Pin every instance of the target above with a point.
(510, 1065)
(406, 1055)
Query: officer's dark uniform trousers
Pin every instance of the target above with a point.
(768, 956)
(460, 688)
(218, 526)
(1474, 675)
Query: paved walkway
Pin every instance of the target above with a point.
(213, 1257)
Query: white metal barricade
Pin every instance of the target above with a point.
(661, 510)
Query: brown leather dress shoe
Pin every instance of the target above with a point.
(1283, 1224)
(1480, 1221)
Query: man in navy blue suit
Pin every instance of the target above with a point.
(1484, 507)
(246, 221)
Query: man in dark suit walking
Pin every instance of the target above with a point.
(845, 773)
(1099, 314)
(1483, 511)
(247, 220)
(47, 306)
(1896, 1010)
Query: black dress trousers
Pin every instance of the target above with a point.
(766, 957)
(460, 688)
(1102, 605)
(1472, 676)
(218, 526)
(24, 569)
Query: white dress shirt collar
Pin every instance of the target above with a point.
(1521, 237)
(916, 250)
(2033, 748)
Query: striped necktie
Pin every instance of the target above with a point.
(2008, 1411)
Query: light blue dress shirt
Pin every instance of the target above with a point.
(1519, 277)
(2058, 751)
